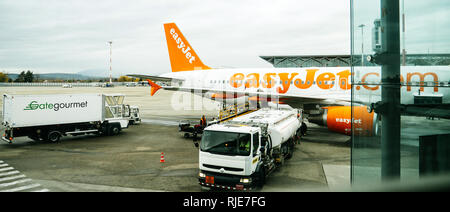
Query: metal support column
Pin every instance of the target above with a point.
(390, 91)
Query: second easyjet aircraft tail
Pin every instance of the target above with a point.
(182, 55)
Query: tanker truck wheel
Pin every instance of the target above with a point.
(290, 149)
(261, 177)
(303, 129)
(54, 136)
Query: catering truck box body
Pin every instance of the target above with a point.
(34, 110)
(240, 153)
(48, 117)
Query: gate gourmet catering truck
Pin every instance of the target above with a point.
(240, 153)
(48, 117)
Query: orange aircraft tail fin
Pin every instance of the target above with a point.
(182, 55)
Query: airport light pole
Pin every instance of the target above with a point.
(110, 62)
(362, 43)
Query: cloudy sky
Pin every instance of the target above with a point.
(69, 36)
(427, 25)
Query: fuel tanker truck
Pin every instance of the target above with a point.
(239, 154)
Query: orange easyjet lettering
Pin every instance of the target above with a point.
(343, 80)
(310, 73)
(268, 81)
(324, 80)
(422, 80)
(285, 81)
(253, 81)
(236, 80)
(363, 81)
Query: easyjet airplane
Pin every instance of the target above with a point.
(298, 87)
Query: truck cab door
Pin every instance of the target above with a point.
(256, 152)
(127, 111)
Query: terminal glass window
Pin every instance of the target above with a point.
(422, 81)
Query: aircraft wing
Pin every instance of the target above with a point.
(155, 78)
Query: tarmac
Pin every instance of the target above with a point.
(130, 162)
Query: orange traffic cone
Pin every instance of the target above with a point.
(162, 158)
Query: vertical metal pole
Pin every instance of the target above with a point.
(362, 43)
(390, 91)
(110, 62)
(352, 37)
(403, 34)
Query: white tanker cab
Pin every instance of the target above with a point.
(239, 154)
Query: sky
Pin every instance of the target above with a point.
(426, 25)
(70, 36)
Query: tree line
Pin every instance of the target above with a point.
(28, 76)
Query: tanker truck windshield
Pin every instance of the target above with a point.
(226, 143)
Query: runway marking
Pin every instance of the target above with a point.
(22, 188)
(13, 181)
(6, 169)
(9, 173)
(84, 187)
(12, 178)
(42, 190)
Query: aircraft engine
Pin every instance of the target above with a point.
(339, 119)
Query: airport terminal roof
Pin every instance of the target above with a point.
(345, 60)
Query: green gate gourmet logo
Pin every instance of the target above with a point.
(54, 106)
